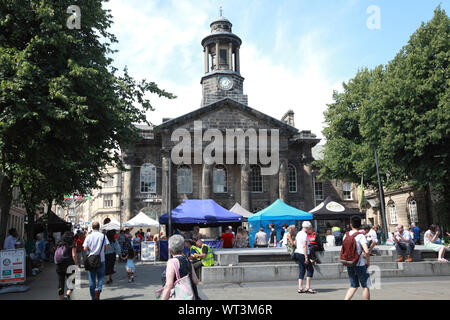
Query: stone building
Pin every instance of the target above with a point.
(224, 106)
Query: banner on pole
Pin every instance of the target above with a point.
(12, 266)
(148, 251)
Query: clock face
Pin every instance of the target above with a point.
(225, 83)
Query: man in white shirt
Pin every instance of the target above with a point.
(261, 239)
(403, 241)
(10, 241)
(371, 237)
(95, 244)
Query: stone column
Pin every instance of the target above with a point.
(127, 192)
(206, 181)
(217, 55)
(274, 187)
(283, 181)
(206, 59)
(308, 186)
(165, 183)
(237, 62)
(245, 186)
(230, 56)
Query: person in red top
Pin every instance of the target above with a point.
(314, 245)
(227, 239)
(79, 240)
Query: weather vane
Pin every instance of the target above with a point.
(220, 10)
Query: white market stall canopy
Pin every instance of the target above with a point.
(141, 220)
(237, 208)
(113, 225)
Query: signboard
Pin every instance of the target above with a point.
(12, 266)
(148, 251)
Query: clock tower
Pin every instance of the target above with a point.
(222, 64)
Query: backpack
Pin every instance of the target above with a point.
(349, 251)
(59, 254)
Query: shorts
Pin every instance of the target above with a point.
(358, 276)
(434, 246)
(130, 270)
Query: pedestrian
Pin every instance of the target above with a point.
(331, 241)
(68, 257)
(148, 235)
(121, 238)
(337, 235)
(95, 245)
(227, 239)
(11, 239)
(110, 255)
(272, 236)
(430, 240)
(315, 245)
(130, 268)
(178, 267)
(137, 244)
(371, 237)
(403, 241)
(260, 239)
(40, 248)
(416, 231)
(201, 255)
(357, 273)
(283, 235)
(302, 252)
(79, 240)
(290, 240)
(241, 239)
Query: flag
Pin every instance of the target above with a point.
(362, 200)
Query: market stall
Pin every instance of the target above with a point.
(335, 214)
(278, 213)
(203, 213)
(148, 248)
(53, 222)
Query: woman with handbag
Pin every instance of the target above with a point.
(181, 280)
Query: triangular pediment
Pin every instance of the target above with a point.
(228, 114)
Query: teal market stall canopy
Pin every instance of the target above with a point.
(331, 210)
(278, 213)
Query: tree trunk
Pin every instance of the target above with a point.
(5, 206)
(31, 213)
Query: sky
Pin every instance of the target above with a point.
(294, 52)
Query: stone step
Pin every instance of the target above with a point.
(257, 272)
(373, 259)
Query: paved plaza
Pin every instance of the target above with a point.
(148, 279)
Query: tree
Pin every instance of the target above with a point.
(404, 109)
(64, 110)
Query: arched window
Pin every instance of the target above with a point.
(392, 212)
(292, 178)
(148, 178)
(413, 215)
(256, 179)
(184, 179)
(220, 179)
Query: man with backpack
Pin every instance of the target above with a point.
(355, 256)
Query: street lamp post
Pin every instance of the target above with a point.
(380, 188)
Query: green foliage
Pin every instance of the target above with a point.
(404, 109)
(64, 111)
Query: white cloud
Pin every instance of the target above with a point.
(162, 44)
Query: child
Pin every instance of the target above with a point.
(130, 265)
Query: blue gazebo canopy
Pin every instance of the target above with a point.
(280, 211)
(200, 211)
